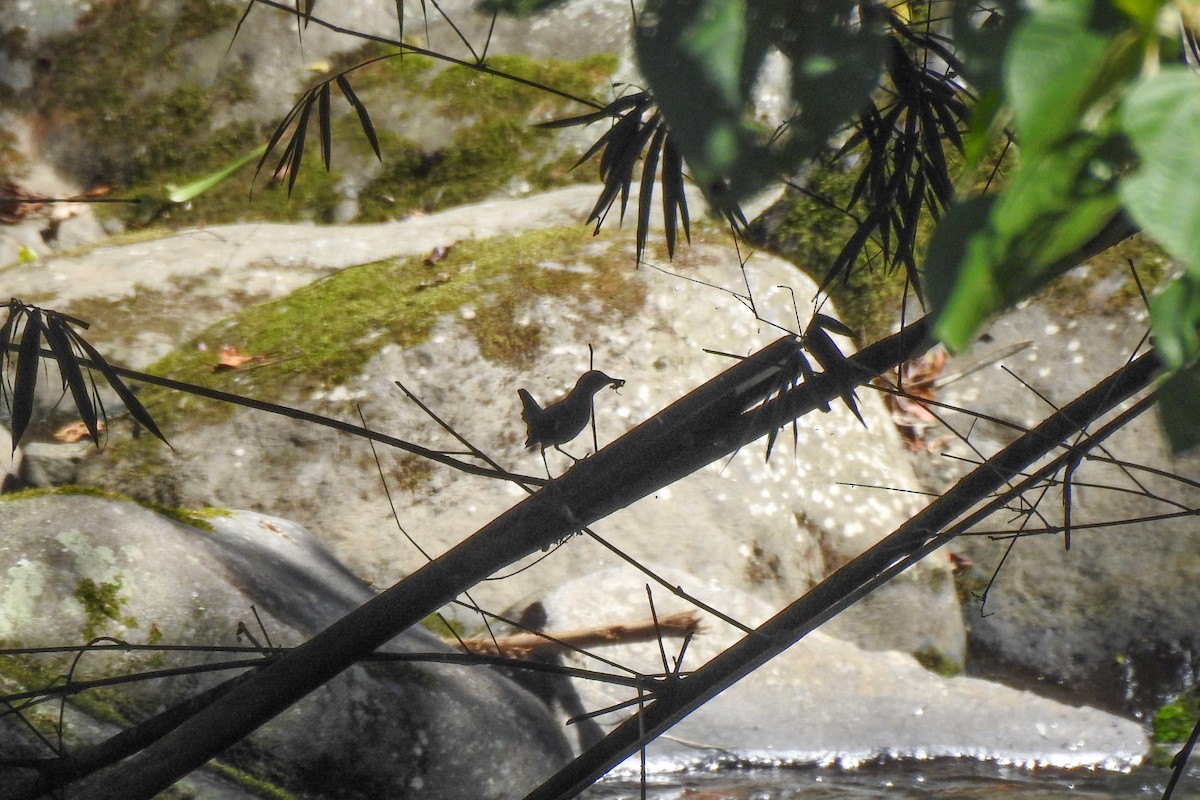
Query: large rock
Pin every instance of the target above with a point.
(826, 701)
(1115, 620)
(79, 567)
(520, 313)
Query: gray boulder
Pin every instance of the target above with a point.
(1115, 620)
(81, 567)
(773, 528)
(826, 701)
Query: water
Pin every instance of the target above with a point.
(946, 779)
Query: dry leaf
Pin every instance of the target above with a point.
(230, 358)
(437, 254)
(75, 431)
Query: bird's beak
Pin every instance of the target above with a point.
(617, 383)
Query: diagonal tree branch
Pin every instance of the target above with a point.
(901, 549)
(692, 432)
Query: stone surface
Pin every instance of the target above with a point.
(826, 701)
(78, 567)
(772, 528)
(1115, 620)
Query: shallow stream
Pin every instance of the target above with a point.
(930, 780)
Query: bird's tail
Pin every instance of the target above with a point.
(530, 413)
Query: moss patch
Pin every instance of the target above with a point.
(1105, 284)
(810, 234)
(193, 517)
(256, 786)
(497, 145)
(936, 662)
(1173, 722)
(101, 604)
(322, 335)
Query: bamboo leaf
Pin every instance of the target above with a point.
(323, 118)
(297, 146)
(58, 336)
(15, 309)
(674, 195)
(364, 119)
(25, 380)
(646, 195)
(280, 130)
(136, 409)
(613, 109)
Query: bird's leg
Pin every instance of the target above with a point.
(546, 464)
(565, 453)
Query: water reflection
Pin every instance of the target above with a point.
(946, 779)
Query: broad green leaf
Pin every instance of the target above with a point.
(1161, 117)
(1049, 71)
(1174, 316)
(703, 57)
(959, 278)
(1179, 408)
(989, 253)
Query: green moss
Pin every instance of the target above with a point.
(101, 603)
(87, 491)
(194, 517)
(257, 786)
(810, 234)
(1105, 285)
(936, 662)
(1175, 720)
(410, 472)
(323, 334)
(491, 151)
(444, 627)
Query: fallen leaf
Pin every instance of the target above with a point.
(75, 431)
(437, 254)
(230, 358)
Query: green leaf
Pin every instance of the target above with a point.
(182, 194)
(988, 253)
(1174, 316)
(959, 278)
(1161, 116)
(1179, 408)
(1049, 71)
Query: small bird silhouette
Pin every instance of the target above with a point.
(563, 420)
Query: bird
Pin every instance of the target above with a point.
(564, 419)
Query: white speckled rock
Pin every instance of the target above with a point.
(772, 529)
(826, 701)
